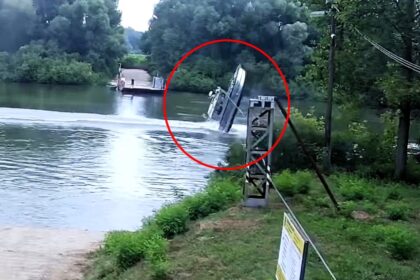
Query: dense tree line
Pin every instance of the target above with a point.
(60, 41)
(300, 44)
(278, 26)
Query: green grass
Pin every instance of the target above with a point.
(243, 243)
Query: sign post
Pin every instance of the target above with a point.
(293, 251)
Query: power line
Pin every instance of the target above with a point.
(400, 60)
(393, 56)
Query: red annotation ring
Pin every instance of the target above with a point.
(286, 86)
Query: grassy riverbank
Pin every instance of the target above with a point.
(209, 236)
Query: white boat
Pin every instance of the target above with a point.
(225, 104)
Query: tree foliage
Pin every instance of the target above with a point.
(86, 35)
(277, 26)
(366, 76)
(42, 63)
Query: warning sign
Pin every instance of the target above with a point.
(293, 252)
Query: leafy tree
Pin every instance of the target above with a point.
(47, 10)
(398, 22)
(45, 63)
(277, 26)
(92, 29)
(366, 75)
(89, 31)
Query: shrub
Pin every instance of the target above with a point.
(46, 63)
(222, 193)
(290, 183)
(303, 181)
(64, 71)
(394, 194)
(128, 248)
(353, 188)
(400, 242)
(284, 182)
(155, 246)
(378, 232)
(402, 245)
(160, 270)
(219, 195)
(172, 219)
(197, 206)
(186, 79)
(347, 207)
(156, 249)
(397, 211)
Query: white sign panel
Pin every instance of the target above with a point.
(293, 251)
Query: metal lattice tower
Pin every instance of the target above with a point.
(259, 140)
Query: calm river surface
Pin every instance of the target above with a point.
(88, 158)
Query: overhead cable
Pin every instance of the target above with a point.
(396, 58)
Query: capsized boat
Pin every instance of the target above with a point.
(225, 104)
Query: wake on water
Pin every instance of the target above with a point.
(32, 116)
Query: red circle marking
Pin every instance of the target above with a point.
(286, 86)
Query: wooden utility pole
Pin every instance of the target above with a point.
(404, 122)
(331, 73)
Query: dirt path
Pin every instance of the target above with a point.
(45, 254)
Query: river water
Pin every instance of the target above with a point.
(88, 158)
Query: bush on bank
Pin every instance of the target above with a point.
(46, 64)
(387, 210)
(355, 149)
(377, 198)
(400, 242)
(192, 81)
(151, 242)
(292, 183)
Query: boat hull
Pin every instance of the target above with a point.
(234, 95)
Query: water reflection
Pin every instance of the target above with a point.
(130, 106)
(101, 162)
